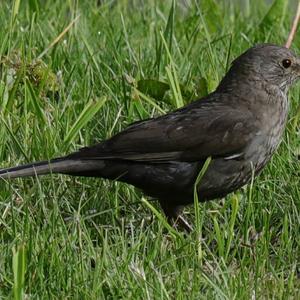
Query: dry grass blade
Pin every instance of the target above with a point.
(294, 28)
(59, 37)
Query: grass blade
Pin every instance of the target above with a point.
(197, 207)
(19, 268)
(86, 115)
(235, 208)
(161, 218)
(36, 103)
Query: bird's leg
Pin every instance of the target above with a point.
(183, 223)
(174, 216)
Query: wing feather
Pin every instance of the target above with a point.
(205, 128)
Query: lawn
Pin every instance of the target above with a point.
(77, 72)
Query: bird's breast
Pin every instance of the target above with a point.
(268, 138)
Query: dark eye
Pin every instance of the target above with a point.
(286, 63)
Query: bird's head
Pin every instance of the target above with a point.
(274, 65)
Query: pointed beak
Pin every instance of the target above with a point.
(297, 66)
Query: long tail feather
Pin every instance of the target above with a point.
(59, 165)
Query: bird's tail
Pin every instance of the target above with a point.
(58, 165)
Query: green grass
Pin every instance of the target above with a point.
(81, 238)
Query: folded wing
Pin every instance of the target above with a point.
(193, 133)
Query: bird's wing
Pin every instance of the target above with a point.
(189, 134)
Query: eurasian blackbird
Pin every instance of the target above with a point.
(239, 126)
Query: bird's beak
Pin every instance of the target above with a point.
(297, 66)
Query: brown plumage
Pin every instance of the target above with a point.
(239, 126)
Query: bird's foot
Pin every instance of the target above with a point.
(174, 216)
(181, 223)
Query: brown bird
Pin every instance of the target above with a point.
(239, 126)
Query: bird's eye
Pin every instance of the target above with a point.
(286, 63)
